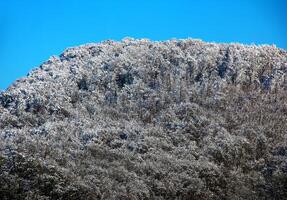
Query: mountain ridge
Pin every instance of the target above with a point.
(135, 119)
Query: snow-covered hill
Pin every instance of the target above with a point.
(180, 119)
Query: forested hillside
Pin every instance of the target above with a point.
(136, 119)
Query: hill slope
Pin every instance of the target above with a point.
(181, 119)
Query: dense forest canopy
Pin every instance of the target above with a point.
(136, 119)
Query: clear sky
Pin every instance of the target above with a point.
(33, 30)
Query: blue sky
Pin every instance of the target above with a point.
(32, 30)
